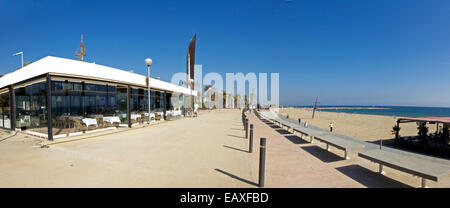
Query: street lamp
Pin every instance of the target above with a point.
(191, 83)
(20, 53)
(148, 62)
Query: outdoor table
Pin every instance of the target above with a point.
(177, 112)
(111, 119)
(90, 121)
(135, 116)
(7, 123)
(62, 118)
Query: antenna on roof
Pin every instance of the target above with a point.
(81, 52)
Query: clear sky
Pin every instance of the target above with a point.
(347, 52)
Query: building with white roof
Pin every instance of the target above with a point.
(55, 97)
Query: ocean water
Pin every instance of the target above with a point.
(399, 111)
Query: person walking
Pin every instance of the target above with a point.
(299, 120)
(196, 110)
(331, 127)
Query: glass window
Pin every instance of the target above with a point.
(5, 121)
(31, 110)
(121, 95)
(82, 106)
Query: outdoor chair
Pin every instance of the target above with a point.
(78, 125)
(144, 118)
(59, 122)
(67, 122)
(100, 122)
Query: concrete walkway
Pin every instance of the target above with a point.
(208, 151)
(294, 162)
(288, 165)
(190, 152)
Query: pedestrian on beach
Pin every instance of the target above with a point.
(299, 121)
(306, 124)
(287, 116)
(196, 110)
(331, 126)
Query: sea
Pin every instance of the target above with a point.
(399, 111)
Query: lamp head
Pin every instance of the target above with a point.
(148, 61)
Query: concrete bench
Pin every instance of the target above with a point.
(278, 121)
(340, 143)
(272, 119)
(406, 163)
(304, 131)
(294, 127)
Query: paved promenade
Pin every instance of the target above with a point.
(296, 163)
(208, 151)
(288, 165)
(190, 152)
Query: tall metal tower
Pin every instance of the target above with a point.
(81, 52)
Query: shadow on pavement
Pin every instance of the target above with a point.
(322, 154)
(235, 148)
(274, 126)
(282, 131)
(236, 177)
(296, 139)
(241, 137)
(369, 178)
(237, 129)
(8, 137)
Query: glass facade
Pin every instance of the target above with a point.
(157, 100)
(139, 105)
(122, 105)
(5, 119)
(31, 106)
(79, 105)
(174, 105)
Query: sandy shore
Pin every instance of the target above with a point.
(365, 127)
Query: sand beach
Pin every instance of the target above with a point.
(365, 127)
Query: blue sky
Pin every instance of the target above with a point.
(347, 52)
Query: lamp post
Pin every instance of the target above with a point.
(191, 84)
(148, 62)
(19, 53)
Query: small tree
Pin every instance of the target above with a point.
(396, 130)
(423, 131)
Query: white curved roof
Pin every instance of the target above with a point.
(68, 67)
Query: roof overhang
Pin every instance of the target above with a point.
(72, 68)
(433, 119)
